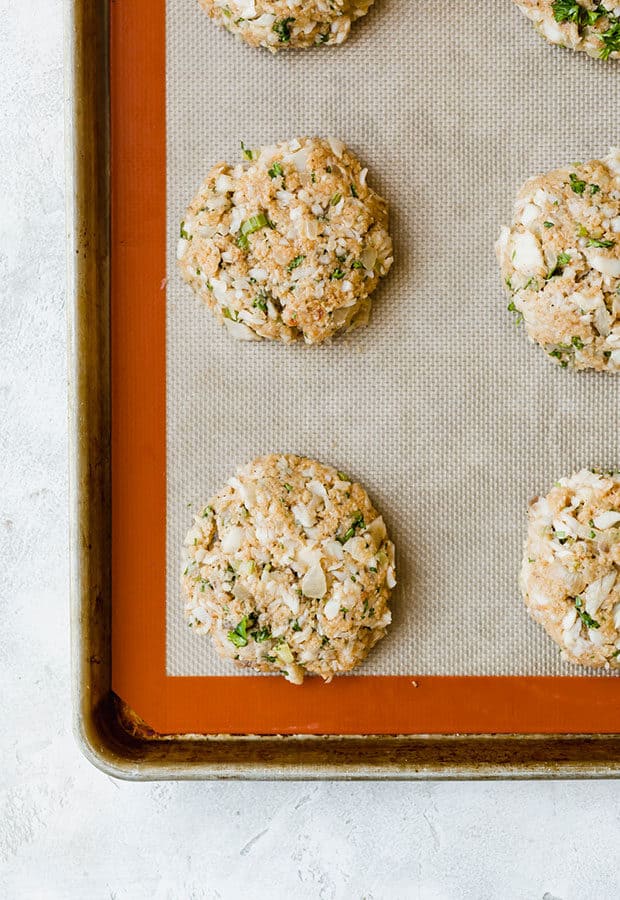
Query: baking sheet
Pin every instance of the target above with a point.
(441, 408)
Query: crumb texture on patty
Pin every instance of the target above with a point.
(585, 25)
(289, 569)
(282, 24)
(571, 565)
(560, 262)
(289, 244)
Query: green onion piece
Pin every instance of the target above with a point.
(249, 154)
(594, 242)
(254, 223)
(358, 522)
(295, 263)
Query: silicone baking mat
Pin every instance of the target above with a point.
(440, 407)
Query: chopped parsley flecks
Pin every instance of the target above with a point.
(262, 634)
(239, 636)
(283, 29)
(184, 234)
(575, 12)
(572, 11)
(513, 309)
(577, 185)
(275, 171)
(611, 40)
(260, 302)
(559, 355)
(562, 260)
(585, 617)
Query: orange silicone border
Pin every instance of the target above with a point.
(259, 705)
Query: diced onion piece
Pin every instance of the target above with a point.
(607, 265)
(390, 580)
(314, 584)
(240, 331)
(530, 214)
(283, 652)
(606, 519)
(246, 8)
(232, 539)
(377, 531)
(292, 601)
(527, 256)
(302, 515)
(331, 608)
(336, 145)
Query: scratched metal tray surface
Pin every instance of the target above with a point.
(111, 734)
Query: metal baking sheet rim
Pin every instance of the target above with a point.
(109, 734)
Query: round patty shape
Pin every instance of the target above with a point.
(571, 566)
(578, 24)
(288, 244)
(281, 24)
(289, 569)
(560, 262)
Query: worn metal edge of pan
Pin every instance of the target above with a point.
(102, 724)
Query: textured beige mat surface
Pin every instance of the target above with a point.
(441, 407)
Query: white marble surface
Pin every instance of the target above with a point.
(66, 830)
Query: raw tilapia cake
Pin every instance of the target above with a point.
(578, 24)
(280, 24)
(288, 244)
(289, 569)
(571, 566)
(560, 262)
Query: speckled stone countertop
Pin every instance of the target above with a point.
(66, 830)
